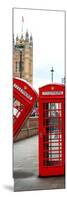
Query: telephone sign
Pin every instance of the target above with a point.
(51, 130)
(24, 97)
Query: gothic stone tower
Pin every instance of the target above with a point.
(23, 58)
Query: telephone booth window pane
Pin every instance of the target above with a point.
(52, 120)
(17, 108)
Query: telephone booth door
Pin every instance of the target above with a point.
(51, 130)
(24, 98)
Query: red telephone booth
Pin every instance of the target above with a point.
(24, 97)
(51, 130)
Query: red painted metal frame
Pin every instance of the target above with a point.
(24, 93)
(51, 166)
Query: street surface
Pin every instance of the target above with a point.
(25, 168)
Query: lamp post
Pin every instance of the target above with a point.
(52, 70)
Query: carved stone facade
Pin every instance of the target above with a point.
(23, 58)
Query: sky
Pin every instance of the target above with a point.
(48, 32)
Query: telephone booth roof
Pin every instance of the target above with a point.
(53, 90)
(26, 85)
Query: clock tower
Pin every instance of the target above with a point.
(23, 57)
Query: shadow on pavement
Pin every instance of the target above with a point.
(9, 187)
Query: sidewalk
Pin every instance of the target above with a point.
(26, 168)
